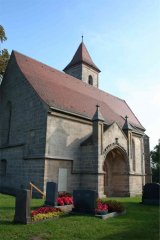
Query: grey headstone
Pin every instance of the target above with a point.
(22, 210)
(85, 200)
(51, 193)
(151, 194)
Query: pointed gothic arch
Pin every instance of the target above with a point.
(116, 168)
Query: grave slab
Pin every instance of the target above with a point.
(22, 209)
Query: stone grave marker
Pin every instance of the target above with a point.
(22, 209)
(84, 201)
(151, 194)
(51, 193)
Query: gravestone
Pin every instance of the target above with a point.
(151, 194)
(51, 193)
(22, 210)
(84, 200)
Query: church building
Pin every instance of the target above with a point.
(59, 126)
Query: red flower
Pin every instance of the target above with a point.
(45, 210)
(64, 200)
(101, 206)
(60, 201)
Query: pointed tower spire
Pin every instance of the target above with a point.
(98, 116)
(82, 66)
(81, 56)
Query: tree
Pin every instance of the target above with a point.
(2, 34)
(4, 55)
(155, 160)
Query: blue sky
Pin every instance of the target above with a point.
(122, 37)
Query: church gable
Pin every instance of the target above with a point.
(22, 111)
(114, 134)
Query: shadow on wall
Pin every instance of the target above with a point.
(63, 144)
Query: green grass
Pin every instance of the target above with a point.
(140, 222)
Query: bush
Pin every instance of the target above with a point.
(113, 205)
(64, 194)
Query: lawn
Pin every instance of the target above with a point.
(140, 222)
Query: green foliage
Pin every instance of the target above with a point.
(4, 58)
(2, 34)
(155, 158)
(113, 205)
(4, 55)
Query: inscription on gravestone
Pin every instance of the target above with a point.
(51, 193)
(85, 200)
(151, 194)
(22, 210)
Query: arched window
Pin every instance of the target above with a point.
(3, 167)
(90, 80)
(133, 156)
(6, 123)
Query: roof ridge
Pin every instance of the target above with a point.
(54, 87)
(79, 82)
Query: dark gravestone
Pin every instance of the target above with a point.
(22, 211)
(151, 194)
(84, 200)
(51, 193)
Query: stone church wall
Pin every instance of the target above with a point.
(112, 133)
(138, 155)
(64, 136)
(75, 71)
(136, 184)
(24, 146)
(86, 72)
(83, 72)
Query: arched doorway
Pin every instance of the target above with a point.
(116, 178)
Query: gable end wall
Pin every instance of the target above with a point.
(25, 149)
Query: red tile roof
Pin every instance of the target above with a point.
(81, 56)
(62, 91)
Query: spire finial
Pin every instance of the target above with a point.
(127, 125)
(98, 116)
(82, 37)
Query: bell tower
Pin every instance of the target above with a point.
(82, 67)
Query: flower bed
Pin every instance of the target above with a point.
(43, 213)
(102, 208)
(109, 208)
(113, 205)
(64, 198)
